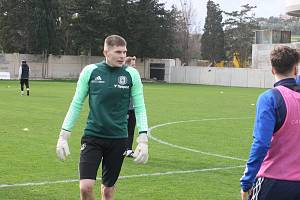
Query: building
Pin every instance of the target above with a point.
(292, 7)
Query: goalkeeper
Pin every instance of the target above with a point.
(109, 84)
(275, 153)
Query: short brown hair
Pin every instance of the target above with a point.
(114, 40)
(129, 59)
(283, 58)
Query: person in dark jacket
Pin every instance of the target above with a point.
(24, 77)
(130, 61)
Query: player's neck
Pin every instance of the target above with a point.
(281, 77)
(108, 63)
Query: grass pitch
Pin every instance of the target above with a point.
(196, 152)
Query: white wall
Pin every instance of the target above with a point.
(241, 77)
(53, 67)
(69, 67)
(261, 54)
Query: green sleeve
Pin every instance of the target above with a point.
(79, 97)
(138, 100)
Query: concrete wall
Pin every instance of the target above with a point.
(54, 67)
(8, 64)
(243, 77)
(261, 54)
(140, 66)
(69, 67)
(167, 62)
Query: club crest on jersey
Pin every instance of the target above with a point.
(122, 80)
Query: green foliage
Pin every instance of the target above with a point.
(28, 26)
(13, 34)
(78, 27)
(45, 18)
(152, 29)
(85, 26)
(239, 33)
(212, 41)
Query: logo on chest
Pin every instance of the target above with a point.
(98, 79)
(122, 81)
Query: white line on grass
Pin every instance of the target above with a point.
(153, 174)
(123, 177)
(190, 149)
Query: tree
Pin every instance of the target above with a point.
(86, 25)
(212, 41)
(46, 20)
(239, 33)
(77, 27)
(28, 26)
(152, 29)
(169, 33)
(184, 23)
(13, 24)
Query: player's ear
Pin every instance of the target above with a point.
(273, 71)
(296, 69)
(105, 53)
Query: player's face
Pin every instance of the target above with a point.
(115, 56)
(132, 63)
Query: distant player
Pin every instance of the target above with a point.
(24, 77)
(130, 61)
(274, 159)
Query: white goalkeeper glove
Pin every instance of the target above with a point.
(62, 147)
(141, 152)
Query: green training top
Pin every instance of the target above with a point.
(109, 90)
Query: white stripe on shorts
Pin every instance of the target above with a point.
(256, 188)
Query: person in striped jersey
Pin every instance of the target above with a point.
(273, 168)
(110, 85)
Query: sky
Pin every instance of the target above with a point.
(265, 8)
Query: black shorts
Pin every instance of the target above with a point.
(272, 189)
(110, 151)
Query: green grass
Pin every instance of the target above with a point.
(295, 38)
(29, 156)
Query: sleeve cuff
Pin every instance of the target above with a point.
(143, 132)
